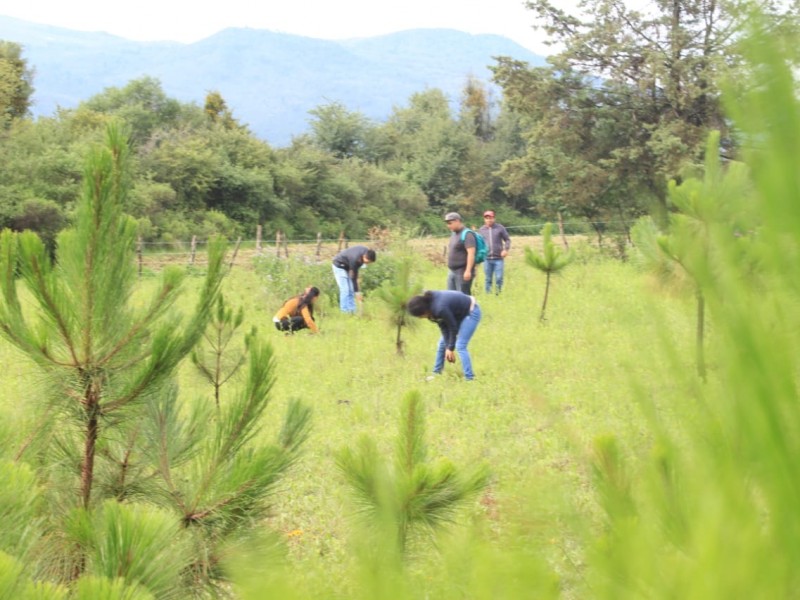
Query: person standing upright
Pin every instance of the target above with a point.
(460, 255)
(499, 243)
(345, 269)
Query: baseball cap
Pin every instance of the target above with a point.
(488, 213)
(452, 216)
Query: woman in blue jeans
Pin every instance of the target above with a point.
(457, 315)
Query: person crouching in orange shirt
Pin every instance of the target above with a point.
(298, 312)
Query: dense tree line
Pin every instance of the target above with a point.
(198, 170)
(594, 137)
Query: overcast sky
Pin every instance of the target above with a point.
(183, 21)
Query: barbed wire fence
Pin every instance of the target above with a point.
(154, 255)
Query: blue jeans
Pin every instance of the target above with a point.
(465, 331)
(347, 297)
(494, 267)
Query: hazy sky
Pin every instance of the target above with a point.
(183, 21)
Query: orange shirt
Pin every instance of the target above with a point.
(289, 309)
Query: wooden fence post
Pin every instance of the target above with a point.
(319, 244)
(278, 243)
(193, 250)
(285, 245)
(139, 253)
(341, 241)
(258, 239)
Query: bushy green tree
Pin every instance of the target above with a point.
(142, 104)
(429, 146)
(217, 110)
(16, 83)
(341, 132)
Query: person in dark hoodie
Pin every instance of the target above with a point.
(345, 269)
(499, 243)
(457, 316)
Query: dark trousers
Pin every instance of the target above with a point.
(291, 325)
(455, 281)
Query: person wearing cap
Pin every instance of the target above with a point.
(345, 269)
(498, 243)
(460, 255)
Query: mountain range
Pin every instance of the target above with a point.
(269, 80)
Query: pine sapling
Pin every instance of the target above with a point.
(684, 254)
(104, 355)
(409, 493)
(396, 296)
(551, 261)
(214, 472)
(215, 360)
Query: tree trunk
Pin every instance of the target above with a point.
(561, 230)
(701, 317)
(235, 252)
(625, 225)
(90, 442)
(544, 302)
(218, 366)
(599, 233)
(399, 342)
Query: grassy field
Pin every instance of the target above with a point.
(543, 393)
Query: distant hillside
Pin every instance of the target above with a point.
(270, 80)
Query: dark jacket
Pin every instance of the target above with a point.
(448, 309)
(351, 260)
(497, 240)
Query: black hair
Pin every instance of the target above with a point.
(419, 306)
(305, 299)
(370, 254)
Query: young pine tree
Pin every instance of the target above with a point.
(104, 354)
(684, 254)
(131, 488)
(396, 296)
(411, 492)
(552, 260)
(216, 362)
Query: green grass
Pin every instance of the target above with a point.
(542, 394)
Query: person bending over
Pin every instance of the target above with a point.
(457, 316)
(345, 269)
(298, 312)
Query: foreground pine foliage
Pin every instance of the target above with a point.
(123, 486)
(411, 493)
